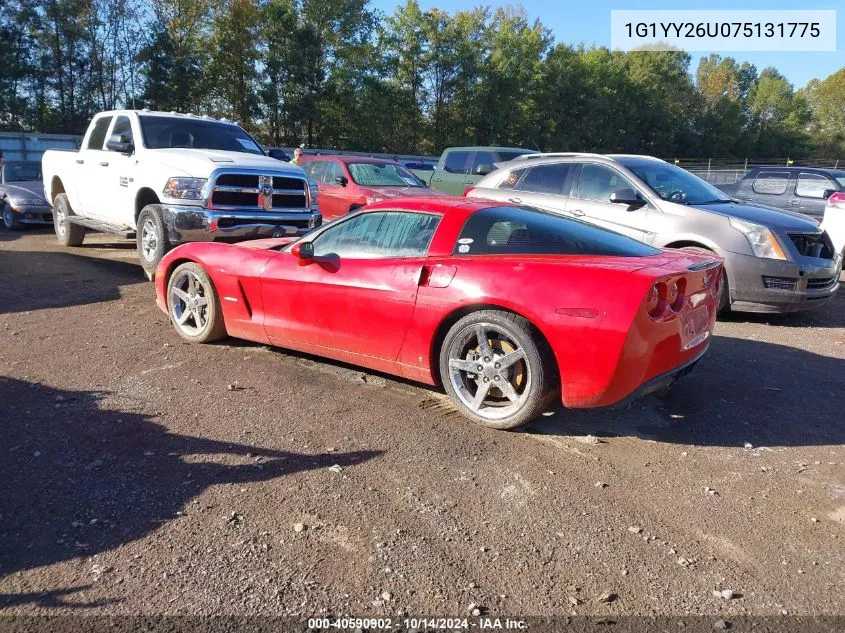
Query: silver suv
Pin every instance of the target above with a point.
(775, 261)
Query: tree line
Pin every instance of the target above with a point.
(337, 73)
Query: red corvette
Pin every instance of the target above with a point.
(347, 183)
(508, 307)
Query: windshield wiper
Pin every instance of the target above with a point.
(717, 201)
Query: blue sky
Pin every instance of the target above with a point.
(588, 21)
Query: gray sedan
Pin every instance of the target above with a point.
(775, 261)
(22, 195)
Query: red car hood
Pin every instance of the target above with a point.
(402, 192)
(267, 244)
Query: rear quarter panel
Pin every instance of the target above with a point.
(583, 309)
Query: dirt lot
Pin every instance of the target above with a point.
(141, 475)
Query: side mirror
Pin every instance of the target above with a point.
(827, 193)
(341, 180)
(303, 251)
(483, 170)
(627, 197)
(120, 143)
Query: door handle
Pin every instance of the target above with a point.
(104, 163)
(79, 161)
(795, 203)
(577, 213)
(515, 200)
(468, 182)
(438, 180)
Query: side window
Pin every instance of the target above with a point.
(771, 182)
(332, 171)
(123, 127)
(812, 185)
(315, 169)
(372, 235)
(511, 179)
(546, 179)
(456, 162)
(482, 158)
(98, 134)
(597, 182)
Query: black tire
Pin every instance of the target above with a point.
(67, 233)
(202, 326)
(10, 220)
(151, 239)
(724, 295)
(532, 378)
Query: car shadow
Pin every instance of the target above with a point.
(77, 479)
(48, 279)
(741, 391)
(28, 229)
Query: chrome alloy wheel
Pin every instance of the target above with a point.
(189, 303)
(149, 240)
(60, 220)
(489, 371)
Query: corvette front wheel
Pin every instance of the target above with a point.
(497, 369)
(193, 305)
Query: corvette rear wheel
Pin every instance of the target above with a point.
(496, 369)
(193, 305)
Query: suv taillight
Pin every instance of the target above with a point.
(837, 199)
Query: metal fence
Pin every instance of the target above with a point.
(30, 146)
(727, 171)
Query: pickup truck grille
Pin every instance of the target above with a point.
(813, 244)
(248, 192)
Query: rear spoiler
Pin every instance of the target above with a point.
(704, 266)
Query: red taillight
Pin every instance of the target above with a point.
(656, 300)
(666, 298)
(837, 199)
(467, 190)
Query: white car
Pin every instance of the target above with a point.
(167, 178)
(834, 221)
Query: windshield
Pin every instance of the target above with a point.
(162, 132)
(673, 183)
(21, 172)
(382, 175)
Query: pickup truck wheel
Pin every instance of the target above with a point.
(67, 233)
(152, 239)
(193, 305)
(724, 294)
(10, 222)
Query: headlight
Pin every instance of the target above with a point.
(26, 202)
(184, 188)
(314, 190)
(762, 240)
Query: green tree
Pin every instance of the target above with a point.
(826, 100)
(231, 71)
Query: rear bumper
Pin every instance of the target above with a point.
(663, 381)
(196, 224)
(813, 285)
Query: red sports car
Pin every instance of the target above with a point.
(347, 183)
(508, 307)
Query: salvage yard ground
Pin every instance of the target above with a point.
(142, 475)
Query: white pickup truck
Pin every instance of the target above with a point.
(167, 178)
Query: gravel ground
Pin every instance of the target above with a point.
(141, 475)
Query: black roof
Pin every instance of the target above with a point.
(828, 171)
